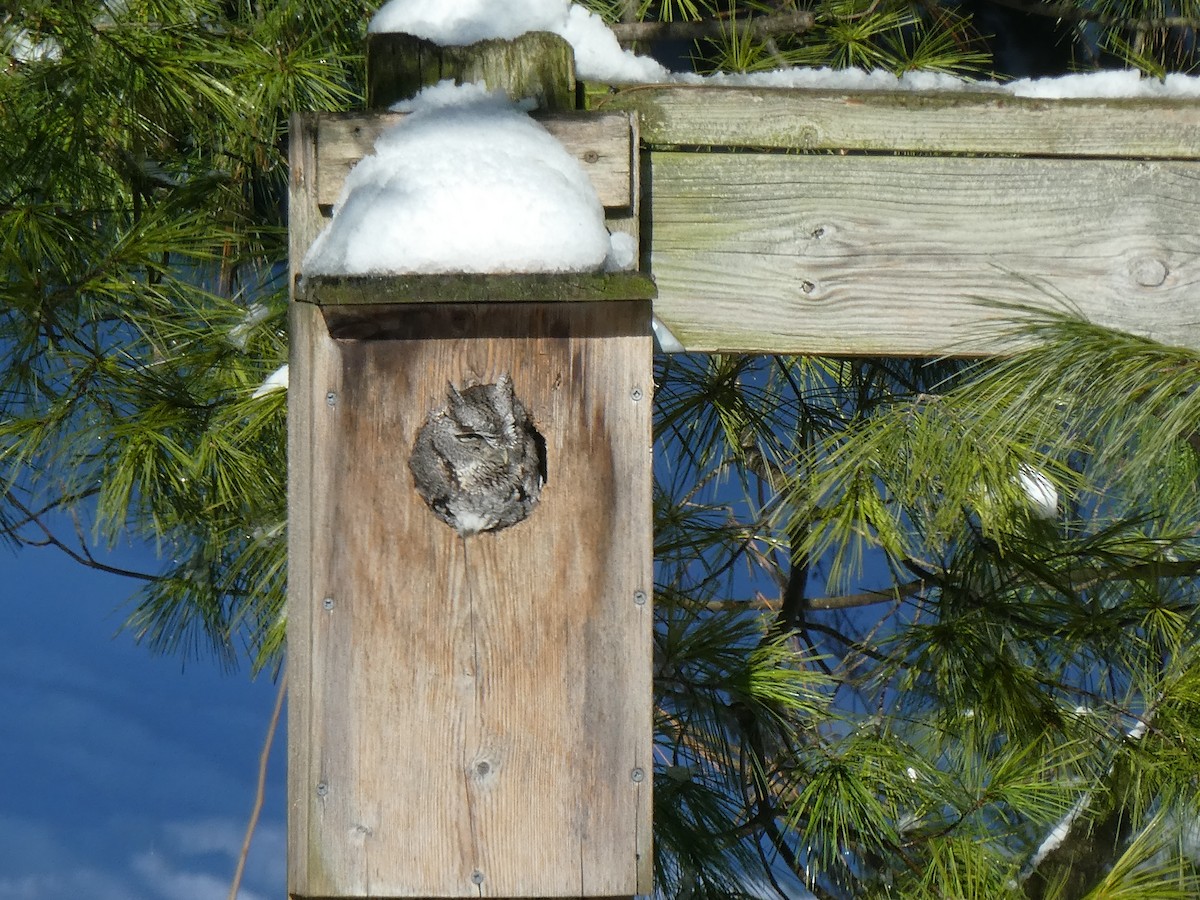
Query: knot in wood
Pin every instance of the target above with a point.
(1149, 271)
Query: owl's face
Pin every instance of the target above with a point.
(484, 415)
(475, 425)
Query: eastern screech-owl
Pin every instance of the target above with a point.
(478, 462)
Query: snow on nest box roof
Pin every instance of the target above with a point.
(466, 183)
(598, 56)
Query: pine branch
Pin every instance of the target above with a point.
(83, 555)
(51, 506)
(760, 27)
(1067, 11)
(1077, 852)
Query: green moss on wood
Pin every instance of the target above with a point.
(375, 290)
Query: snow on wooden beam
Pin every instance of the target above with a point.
(909, 121)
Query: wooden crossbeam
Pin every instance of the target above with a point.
(902, 255)
(909, 122)
(894, 221)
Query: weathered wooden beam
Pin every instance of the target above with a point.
(601, 143)
(899, 255)
(909, 122)
(570, 287)
(308, 533)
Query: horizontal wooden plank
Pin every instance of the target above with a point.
(602, 143)
(868, 255)
(910, 122)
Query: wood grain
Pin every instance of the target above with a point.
(910, 122)
(479, 709)
(600, 142)
(307, 346)
(867, 255)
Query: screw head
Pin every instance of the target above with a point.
(331, 398)
(327, 603)
(637, 774)
(477, 877)
(636, 394)
(322, 789)
(639, 597)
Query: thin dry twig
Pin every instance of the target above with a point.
(261, 791)
(82, 556)
(843, 601)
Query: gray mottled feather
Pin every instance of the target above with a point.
(478, 462)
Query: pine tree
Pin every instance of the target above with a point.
(143, 297)
(925, 629)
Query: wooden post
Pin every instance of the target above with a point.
(537, 65)
(468, 717)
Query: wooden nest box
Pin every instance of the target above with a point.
(469, 716)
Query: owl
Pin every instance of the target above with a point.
(478, 462)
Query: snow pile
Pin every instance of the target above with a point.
(830, 79)
(256, 314)
(453, 23)
(1123, 84)
(466, 183)
(24, 47)
(1035, 497)
(1115, 84)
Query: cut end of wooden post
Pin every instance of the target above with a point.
(536, 65)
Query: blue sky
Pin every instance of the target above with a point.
(127, 775)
